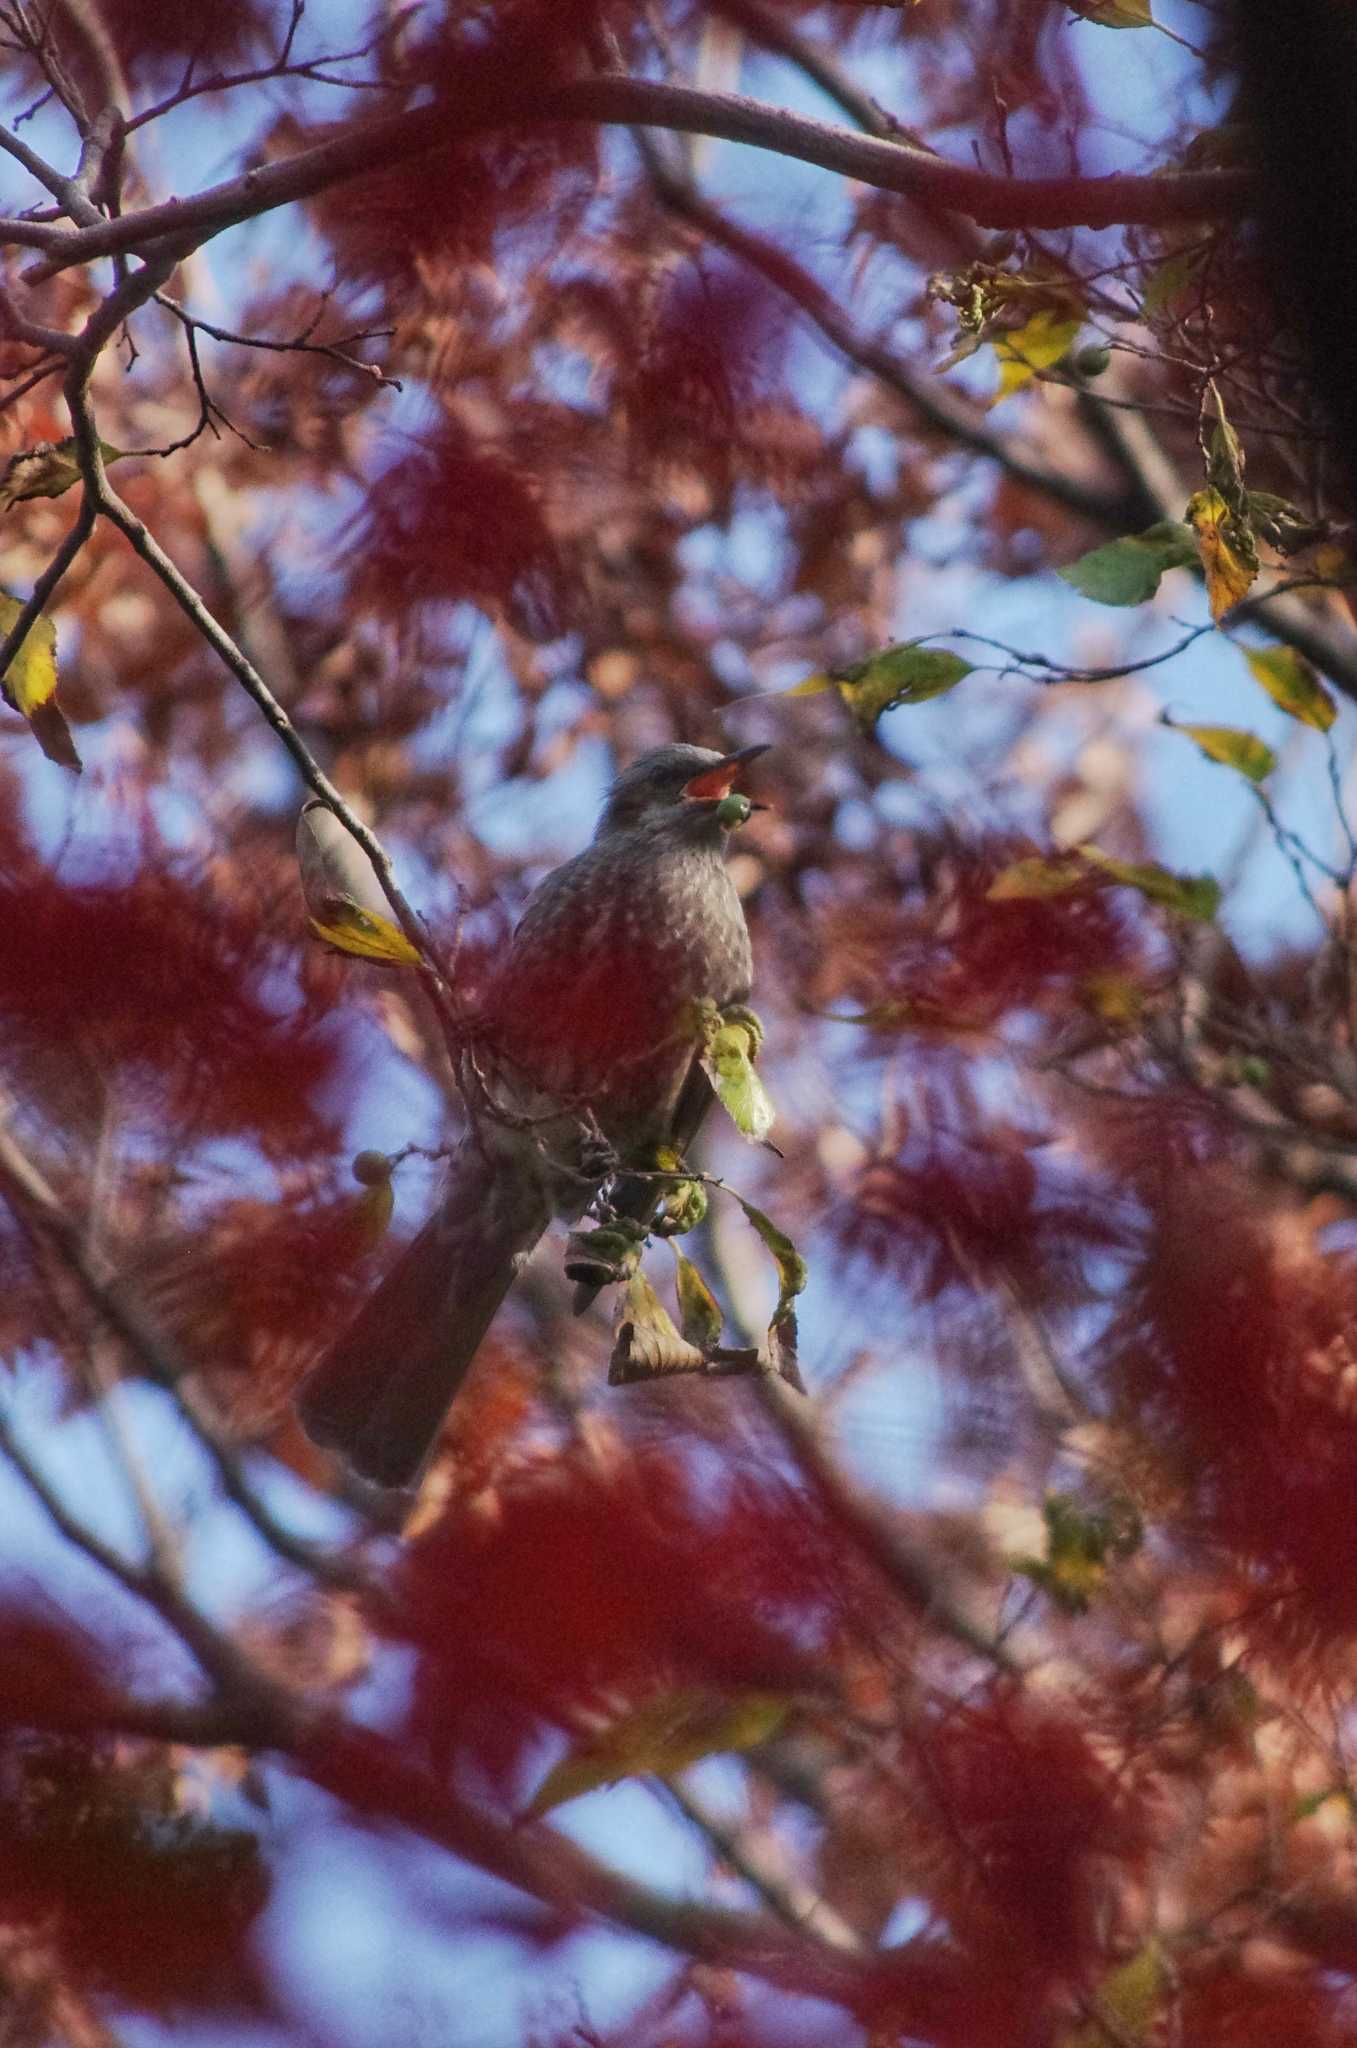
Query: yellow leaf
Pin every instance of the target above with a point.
(1229, 558)
(1126, 2003)
(662, 1737)
(1243, 751)
(30, 682)
(32, 675)
(699, 1310)
(1112, 997)
(351, 929)
(811, 686)
(1114, 13)
(1292, 684)
(342, 892)
(1034, 346)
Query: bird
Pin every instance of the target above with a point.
(582, 1062)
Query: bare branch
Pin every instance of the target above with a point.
(890, 166)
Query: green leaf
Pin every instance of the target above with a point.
(904, 674)
(1281, 524)
(1039, 875)
(1167, 279)
(728, 1064)
(791, 1267)
(1079, 1543)
(1243, 751)
(1225, 461)
(1087, 866)
(660, 1738)
(1128, 571)
(699, 1311)
(1036, 345)
(1114, 13)
(1293, 685)
(1195, 896)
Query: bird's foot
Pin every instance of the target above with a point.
(608, 1253)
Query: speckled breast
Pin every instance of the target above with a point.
(610, 951)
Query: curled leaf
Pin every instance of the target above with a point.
(46, 470)
(727, 1061)
(1229, 557)
(699, 1310)
(345, 900)
(791, 1267)
(648, 1345)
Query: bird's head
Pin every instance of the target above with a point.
(668, 778)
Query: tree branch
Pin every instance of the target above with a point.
(891, 166)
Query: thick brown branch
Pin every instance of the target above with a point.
(891, 166)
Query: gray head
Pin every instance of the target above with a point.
(667, 777)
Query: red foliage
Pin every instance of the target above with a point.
(709, 352)
(50, 1674)
(957, 959)
(396, 227)
(453, 521)
(582, 1585)
(158, 38)
(1238, 1354)
(137, 1899)
(961, 1209)
(489, 67)
(155, 981)
(256, 1289)
(1022, 1864)
(1235, 2008)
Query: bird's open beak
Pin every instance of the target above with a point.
(724, 775)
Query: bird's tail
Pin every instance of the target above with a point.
(379, 1394)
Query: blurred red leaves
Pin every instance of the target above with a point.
(1022, 1865)
(1238, 1354)
(156, 38)
(954, 959)
(168, 990)
(138, 1899)
(97, 1859)
(452, 520)
(707, 356)
(396, 227)
(580, 1587)
(971, 1206)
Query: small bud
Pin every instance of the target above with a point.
(370, 1169)
(1092, 361)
